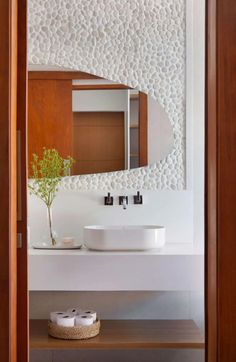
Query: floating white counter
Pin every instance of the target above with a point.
(175, 267)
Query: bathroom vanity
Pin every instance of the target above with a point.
(175, 267)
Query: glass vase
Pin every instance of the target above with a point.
(52, 233)
(49, 235)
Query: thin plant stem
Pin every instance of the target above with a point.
(50, 226)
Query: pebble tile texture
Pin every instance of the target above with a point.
(140, 43)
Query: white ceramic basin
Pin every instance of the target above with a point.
(128, 237)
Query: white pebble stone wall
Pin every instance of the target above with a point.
(140, 43)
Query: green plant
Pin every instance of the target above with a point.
(47, 174)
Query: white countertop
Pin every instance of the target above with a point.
(175, 267)
(169, 249)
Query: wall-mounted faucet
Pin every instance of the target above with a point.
(123, 200)
(138, 199)
(108, 200)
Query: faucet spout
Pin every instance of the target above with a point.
(124, 204)
(123, 200)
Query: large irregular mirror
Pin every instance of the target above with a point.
(103, 125)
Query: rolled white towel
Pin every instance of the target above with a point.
(83, 320)
(53, 316)
(91, 313)
(66, 320)
(74, 310)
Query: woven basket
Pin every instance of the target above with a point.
(81, 332)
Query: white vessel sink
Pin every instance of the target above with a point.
(126, 237)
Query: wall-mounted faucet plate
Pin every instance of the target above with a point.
(108, 200)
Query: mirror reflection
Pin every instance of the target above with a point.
(103, 125)
(108, 134)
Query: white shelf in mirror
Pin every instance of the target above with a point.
(175, 267)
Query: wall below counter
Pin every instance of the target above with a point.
(123, 305)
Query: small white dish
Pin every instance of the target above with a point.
(68, 241)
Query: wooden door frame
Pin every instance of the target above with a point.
(22, 252)
(211, 186)
(13, 270)
(143, 129)
(220, 245)
(8, 110)
(219, 302)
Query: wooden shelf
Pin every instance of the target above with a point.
(125, 334)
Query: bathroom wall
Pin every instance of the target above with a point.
(122, 305)
(180, 211)
(74, 209)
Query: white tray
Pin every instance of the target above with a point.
(57, 246)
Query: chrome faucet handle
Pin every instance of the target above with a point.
(123, 200)
(138, 199)
(108, 200)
